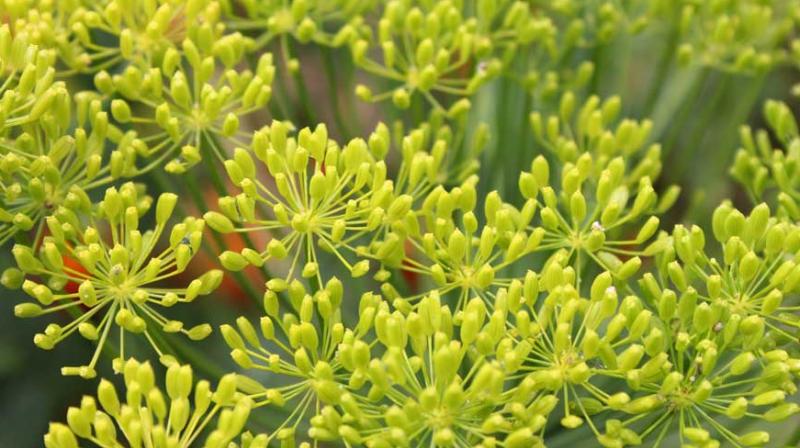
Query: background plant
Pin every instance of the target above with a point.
(450, 223)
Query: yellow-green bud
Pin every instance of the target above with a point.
(27, 310)
(120, 111)
(737, 409)
(225, 389)
(199, 332)
(165, 206)
(754, 438)
(401, 99)
(219, 222)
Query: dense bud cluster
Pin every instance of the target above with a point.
(106, 272)
(769, 172)
(318, 196)
(607, 175)
(186, 98)
(31, 171)
(181, 418)
(305, 21)
(29, 86)
(739, 36)
(404, 298)
(139, 32)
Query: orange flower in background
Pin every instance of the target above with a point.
(230, 290)
(71, 263)
(411, 277)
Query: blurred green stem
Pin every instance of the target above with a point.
(333, 89)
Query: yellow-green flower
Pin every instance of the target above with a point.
(448, 246)
(296, 354)
(770, 173)
(105, 272)
(317, 196)
(114, 31)
(187, 103)
(305, 21)
(714, 370)
(189, 414)
(756, 279)
(46, 24)
(742, 36)
(27, 82)
(436, 380)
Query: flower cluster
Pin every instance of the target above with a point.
(766, 171)
(477, 359)
(343, 197)
(303, 20)
(447, 245)
(30, 97)
(300, 357)
(181, 418)
(409, 374)
(451, 48)
(728, 325)
(317, 196)
(737, 36)
(55, 146)
(46, 25)
(607, 175)
(29, 88)
(106, 272)
(182, 106)
(116, 31)
(755, 280)
(594, 128)
(391, 379)
(405, 302)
